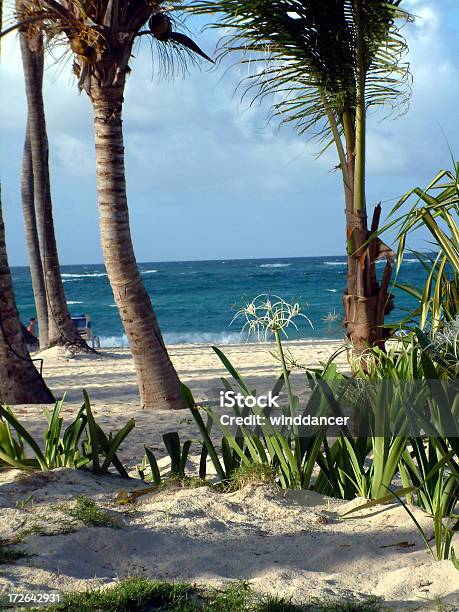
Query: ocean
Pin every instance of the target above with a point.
(195, 301)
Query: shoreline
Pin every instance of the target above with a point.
(220, 344)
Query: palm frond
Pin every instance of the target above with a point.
(304, 53)
(436, 208)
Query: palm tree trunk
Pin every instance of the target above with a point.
(61, 328)
(366, 302)
(158, 382)
(20, 383)
(33, 245)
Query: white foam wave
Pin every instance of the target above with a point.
(219, 338)
(113, 341)
(71, 303)
(148, 271)
(335, 263)
(87, 275)
(332, 290)
(275, 265)
(203, 338)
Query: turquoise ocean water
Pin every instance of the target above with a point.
(195, 301)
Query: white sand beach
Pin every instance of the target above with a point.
(290, 543)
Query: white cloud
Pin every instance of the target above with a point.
(73, 155)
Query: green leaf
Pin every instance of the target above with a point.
(155, 473)
(231, 370)
(187, 395)
(115, 444)
(8, 415)
(172, 443)
(93, 434)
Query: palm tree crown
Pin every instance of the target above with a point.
(100, 33)
(313, 52)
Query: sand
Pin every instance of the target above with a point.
(291, 543)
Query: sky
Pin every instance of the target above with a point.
(208, 176)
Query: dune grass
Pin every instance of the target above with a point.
(139, 594)
(88, 512)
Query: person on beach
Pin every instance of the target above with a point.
(31, 326)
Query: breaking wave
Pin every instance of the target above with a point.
(86, 275)
(219, 338)
(275, 265)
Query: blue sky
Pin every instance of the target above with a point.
(208, 178)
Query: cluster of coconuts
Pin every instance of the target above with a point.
(82, 49)
(160, 26)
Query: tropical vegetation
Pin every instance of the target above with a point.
(100, 37)
(436, 209)
(332, 62)
(328, 63)
(83, 443)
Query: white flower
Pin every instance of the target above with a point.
(265, 315)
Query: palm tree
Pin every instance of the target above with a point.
(60, 327)
(33, 246)
(20, 382)
(327, 63)
(101, 34)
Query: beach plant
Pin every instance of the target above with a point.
(364, 463)
(271, 315)
(287, 449)
(88, 512)
(403, 393)
(293, 457)
(444, 530)
(83, 444)
(138, 593)
(324, 65)
(436, 210)
(358, 466)
(178, 455)
(431, 467)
